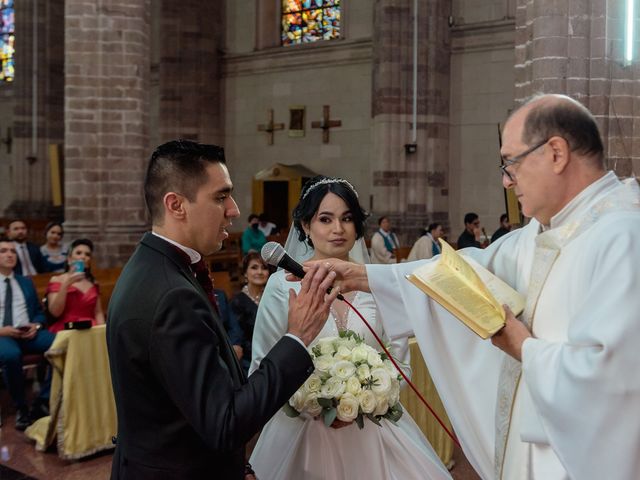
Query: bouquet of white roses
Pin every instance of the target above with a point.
(351, 381)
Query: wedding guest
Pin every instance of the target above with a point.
(472, 233)
(252, 238)
(383, 243)
(427, 246)
(267, 227)
(505, 227)
(245, 304)
(230, 323)
(30, 261)
(54, 252)
(74, 295)
(21, 333)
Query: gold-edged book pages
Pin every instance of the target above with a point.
(468, 291)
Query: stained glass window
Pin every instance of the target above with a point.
(7, 39)
(305, 21)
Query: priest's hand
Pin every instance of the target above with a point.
(510, 338)
(349, 276)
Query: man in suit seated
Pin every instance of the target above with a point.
(30, 259)
(21, 332)
(185, 407)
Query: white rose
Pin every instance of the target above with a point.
(297, 401)
(390, 368)
(347, 409)
(324, 363)
(381, 381)
(353, 385)
(313, 384)
(393, 396)
(359, 353)
(343, 353)
(311, 405)
(326, 346)
(367, 401)
(349, 342)
(381, 406)
(343, 369)
(373, 359)
(363, 372)
(334, 387)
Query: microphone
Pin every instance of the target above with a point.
(274, 254)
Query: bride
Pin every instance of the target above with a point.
(329, 223)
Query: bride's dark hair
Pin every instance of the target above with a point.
(311, 196)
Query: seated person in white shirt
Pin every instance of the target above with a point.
(21, 333)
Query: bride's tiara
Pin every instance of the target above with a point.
(327, 181)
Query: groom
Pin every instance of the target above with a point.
(185, 408)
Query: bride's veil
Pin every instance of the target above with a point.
(301, 251)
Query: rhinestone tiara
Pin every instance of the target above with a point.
(327, 181)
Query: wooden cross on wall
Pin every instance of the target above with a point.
(325, 124)
(270, 127)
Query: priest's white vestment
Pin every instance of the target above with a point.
(576, 409)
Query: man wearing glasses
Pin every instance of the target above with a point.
(472, 232)
(560, 396)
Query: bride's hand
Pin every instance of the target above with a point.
(339, 424)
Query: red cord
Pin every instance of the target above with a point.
(453, 437)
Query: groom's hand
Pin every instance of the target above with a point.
(309, 309)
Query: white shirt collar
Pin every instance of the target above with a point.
(193, 255)
(3, 277)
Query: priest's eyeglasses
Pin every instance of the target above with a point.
(507, 162)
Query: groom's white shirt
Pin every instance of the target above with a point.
(577, 411)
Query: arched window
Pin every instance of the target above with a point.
(305, 21)
(7, 39)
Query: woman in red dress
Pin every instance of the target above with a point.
(74, 295)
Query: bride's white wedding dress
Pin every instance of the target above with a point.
(297, 448)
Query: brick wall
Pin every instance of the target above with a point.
(412, 189)
(576, 48)
(106, 123)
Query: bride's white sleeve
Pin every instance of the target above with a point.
(271, 319)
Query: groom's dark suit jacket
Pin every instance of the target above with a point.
(185, 408)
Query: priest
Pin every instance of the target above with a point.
(555, 394)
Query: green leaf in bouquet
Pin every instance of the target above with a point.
(360, 421)
(316, 351)
(394, 413)
(373, 418)
(290, 411)
(329, 415)
(325, 402)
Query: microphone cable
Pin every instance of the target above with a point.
(406, 379)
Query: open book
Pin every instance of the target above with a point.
(467, 290)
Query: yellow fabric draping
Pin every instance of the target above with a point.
(83, 411)
(440, 441)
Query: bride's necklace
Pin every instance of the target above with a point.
(340, 311)
(255, 298)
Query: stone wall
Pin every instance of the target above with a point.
(576, 48)
(107, 49)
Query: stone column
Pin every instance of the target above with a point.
(411, 188)
(186, 71)
(576, 48)
(106, 123)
